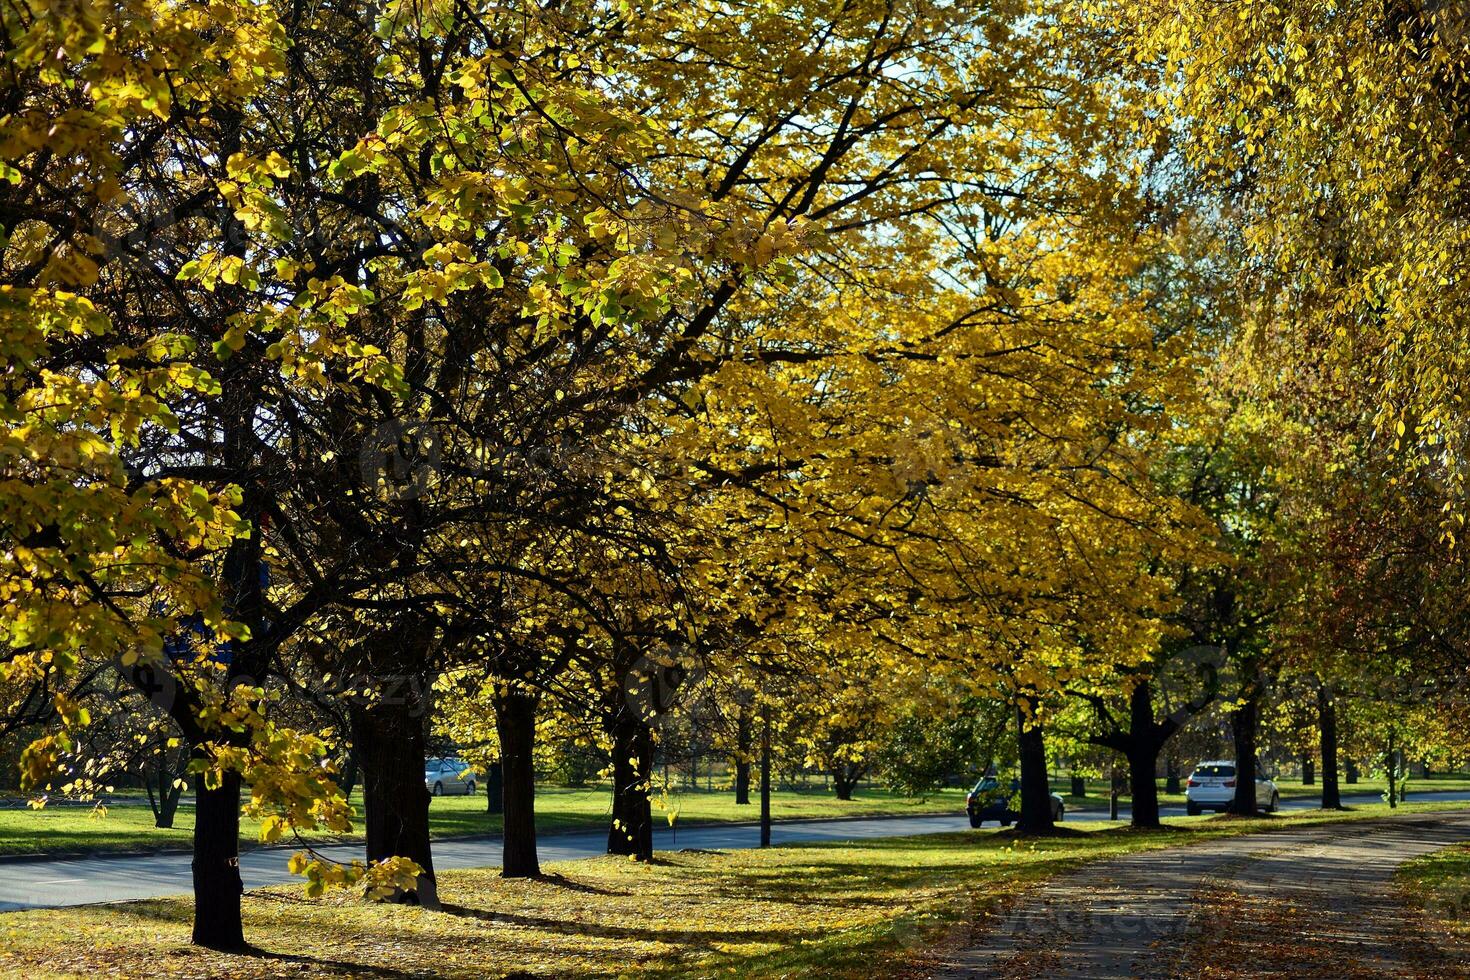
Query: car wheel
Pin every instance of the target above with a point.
(469, 788)
(1061, 812)
(1005, 821)
(1275, 802)
(438, 789)
(975, 822)
(1192, 809)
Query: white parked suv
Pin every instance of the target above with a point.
(1212, 787)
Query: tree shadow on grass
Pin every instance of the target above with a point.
(345, 967)
(1070, 833)
(1163, 830)
(156, 910)
(562, 881)
(673, 934)
(180, 914)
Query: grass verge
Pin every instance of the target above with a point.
(129, 827)
(842, 909)
(1439, 884)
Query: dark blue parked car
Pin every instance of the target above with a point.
(987, 801)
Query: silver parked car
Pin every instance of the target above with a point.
(443, 776)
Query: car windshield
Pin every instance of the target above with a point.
(1215, 771)
(987, 783)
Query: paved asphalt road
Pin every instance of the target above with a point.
(84, 881)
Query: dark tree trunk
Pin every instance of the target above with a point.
(1140, 743)
(217, 885)
(216, 869)
(1144, 788)
(1036, 814)
(1309, 771)
(495, 788)
(624, 774)
(1147, 738)
(845, 778)
(350, 772)
(388, 736)
(742, 782)
(1079, 785)
(631, 832)
(1243, 721)
(168, 800)
(515, 722)
(164, 789)
(742, 757)
(1391, 771)
(1171, 774)
(1350, 769)
(1327, 726)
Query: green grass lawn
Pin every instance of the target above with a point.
(841, 909)
(130, 827)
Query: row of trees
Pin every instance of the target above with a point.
(523, 367)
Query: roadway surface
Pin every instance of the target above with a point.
(90, 880)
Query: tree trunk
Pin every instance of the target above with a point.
(742, 758)
(631, 832)
(1327, 726)
(845, 778)
(1171, 774)
(1142, 785)
(1391, 771)
(169, 791)
(350, 772)
(388, 735)
(1145, 741)
(164, 789)
(217, 885)
(1035, 792)
(1309, 773)
(515, 722)
(1243, 723)
(495, 788)
(1079, 785)
(624, 774)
